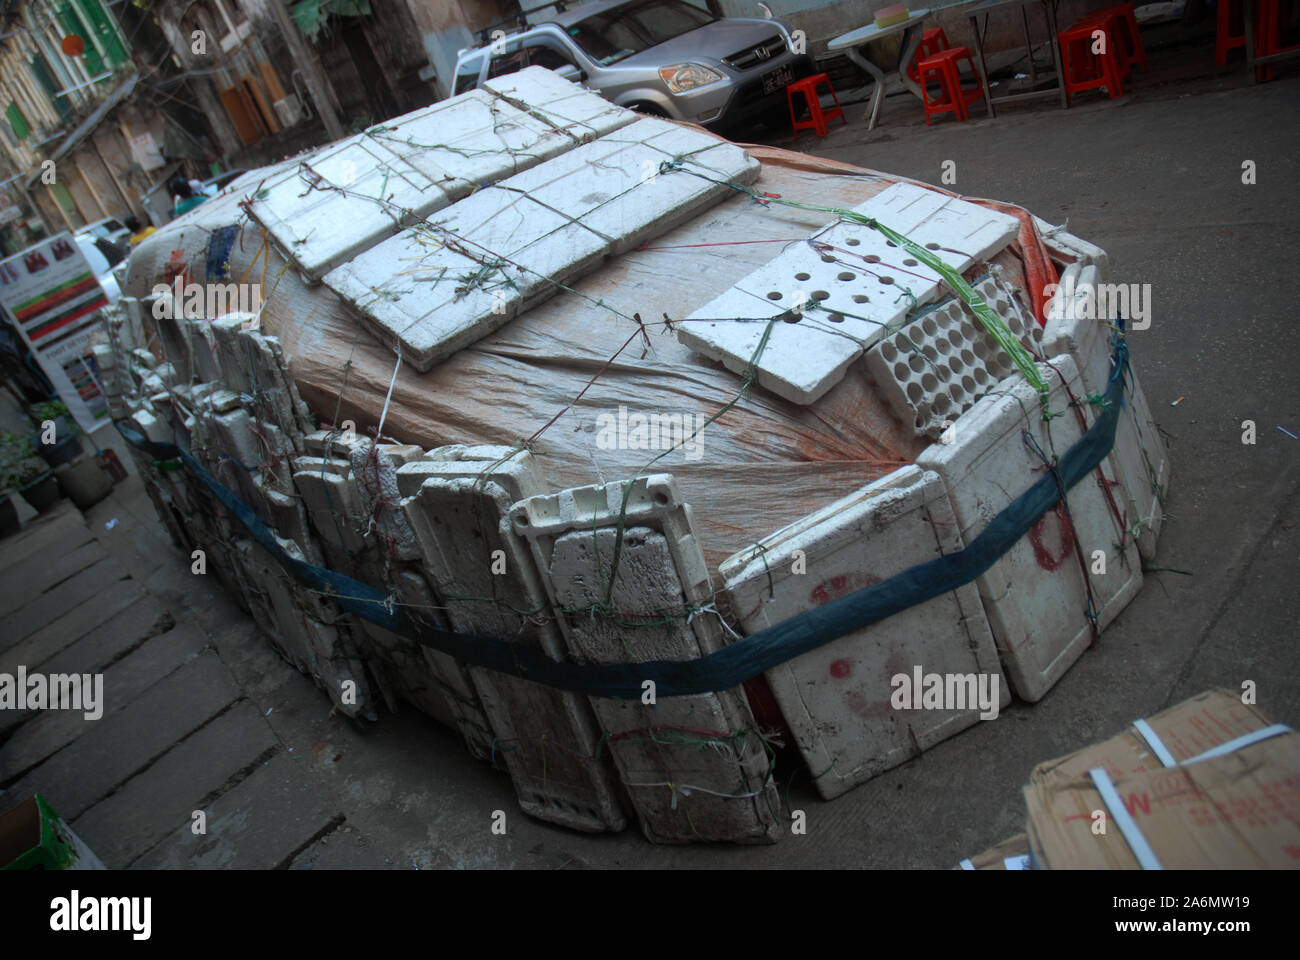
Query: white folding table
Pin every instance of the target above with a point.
(851, 41)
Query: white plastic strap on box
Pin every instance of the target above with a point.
(1242, 741)
(1153, 741)
(967, 865)
(1020, 862)
(1164, 756)
(1146, 858)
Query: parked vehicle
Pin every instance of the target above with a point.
(662, 57)
(103, 256)
(112, 230)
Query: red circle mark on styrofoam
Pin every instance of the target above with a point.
(841, 669)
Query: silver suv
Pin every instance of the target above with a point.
(661, 57)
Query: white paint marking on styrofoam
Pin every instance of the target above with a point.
(836, 699)
(572, 537)
(863, 286)
(1035, 594)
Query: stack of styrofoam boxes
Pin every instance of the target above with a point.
(935, 368)
(1141, 463)
(353, 194)
(694, 766)
(865, 286)
(487, 585)
(399, 663)
(1036, 595)
(837, 699)
(440, 286)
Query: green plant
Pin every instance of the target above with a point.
(49, 410)
(16, 461)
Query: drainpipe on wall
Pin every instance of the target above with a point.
(316, 82)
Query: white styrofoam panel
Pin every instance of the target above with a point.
(804, 355)
(441, 286)
(1035, 595)
(943, 359)
(547, 737)
(682, 792)
(836, 699)
(863, 283)
(613, 185)
(470, 140)
(561, 104)
(341, 200)
(1139, 456)
(437, 289)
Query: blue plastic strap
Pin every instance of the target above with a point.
(731, 665)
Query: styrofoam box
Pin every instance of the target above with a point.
(1035, 595)
(836, 699)
(548, 737)
(1141, 462)
(682, 792)
(1065, 245)
(865, 285)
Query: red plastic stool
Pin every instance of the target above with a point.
(1273, 15)
(932, 41)
(1125, 34)
(953, 99)
(1231, 31)
(1085, 70)
(817, 119)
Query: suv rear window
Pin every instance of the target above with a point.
(614, 35)
(467, 74)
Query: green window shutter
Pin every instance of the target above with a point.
(62, 197)
(91, 58)
(44, 76)
(16, 120)
(94, 14)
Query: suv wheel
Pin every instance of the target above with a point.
(648, 109)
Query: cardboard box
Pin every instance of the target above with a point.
(32, 837)
(1012, 854)
(1186, 730)
(1236, 811)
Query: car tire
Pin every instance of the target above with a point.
(648, 109)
